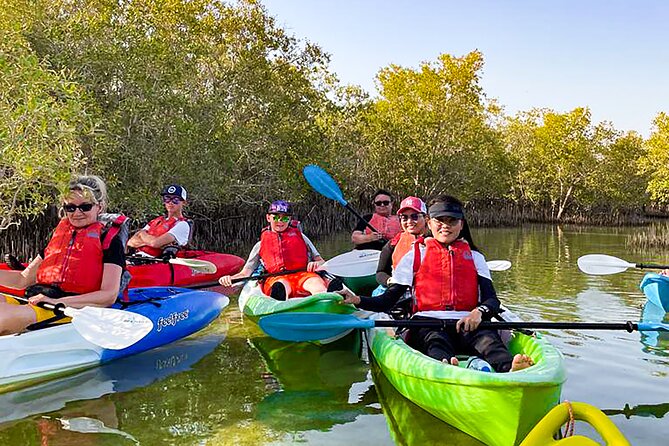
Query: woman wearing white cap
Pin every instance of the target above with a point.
(165, 231)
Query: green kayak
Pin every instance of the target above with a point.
(499, 409)
(254, 304)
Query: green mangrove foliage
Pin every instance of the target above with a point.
(215, 95)
(46, 121)
(656, 164)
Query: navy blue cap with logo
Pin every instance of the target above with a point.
(176, 190)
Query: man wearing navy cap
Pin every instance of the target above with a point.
(172, 230)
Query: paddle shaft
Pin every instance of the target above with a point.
(444, 323)
(360, 217)
(57, 309)
(650, 266)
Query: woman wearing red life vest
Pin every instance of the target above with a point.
(78, 267)
(383, 220)
(449, 278)
(283, 247)
(164, 231)
(413, 219)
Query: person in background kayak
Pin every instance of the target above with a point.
(383, 220)
(413, 220)
(80, 266)
(449, 278)
(283, 247)
(171, 231)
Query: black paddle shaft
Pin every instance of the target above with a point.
(57, 309)
(444, 323)
(651, 266)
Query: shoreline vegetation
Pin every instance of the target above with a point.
(216, 96)
(239, 228)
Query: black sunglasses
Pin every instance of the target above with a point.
(84, 207)
(382, 203)
(414, 217)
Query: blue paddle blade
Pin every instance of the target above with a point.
(300, 327)
(652, 326)
(323, 183)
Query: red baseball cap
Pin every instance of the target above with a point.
(414, 203)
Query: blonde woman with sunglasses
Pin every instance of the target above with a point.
(80, 266)
(283, 247)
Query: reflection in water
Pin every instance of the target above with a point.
(78, 398)
(119, 376)
(224, 399)
(315, 387)
(640, 410)
(409, 424)
(655, 342)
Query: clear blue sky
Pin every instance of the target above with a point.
(612, 56)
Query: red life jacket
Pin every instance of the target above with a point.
(282, 251)
(73, 258)
(389, 226)
(446, 278)
(157, 227)
(402, 243)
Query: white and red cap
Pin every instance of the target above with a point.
(414, 203)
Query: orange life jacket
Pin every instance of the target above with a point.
(446, 278)
(73, 258)
(402, 243)
(389, 226)
(282, 251)
(157, 227)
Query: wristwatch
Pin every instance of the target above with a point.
(484, 310)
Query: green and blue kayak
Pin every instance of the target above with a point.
(254, 304)
(498, 409)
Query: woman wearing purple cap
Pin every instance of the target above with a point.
(449, 279)
(172, 230)
(283, 247)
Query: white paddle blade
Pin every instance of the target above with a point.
(202, 266)
(601, 264)
(356, 263)
(498, 265)
(109, 328)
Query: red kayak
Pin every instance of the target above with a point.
(167, 274)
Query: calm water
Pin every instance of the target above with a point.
(231, 385)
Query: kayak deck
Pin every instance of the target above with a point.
(496, 408)
(36, 356)
(656, 289)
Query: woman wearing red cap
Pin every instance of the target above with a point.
(170, 231)
(283, 247)
(412, 215)
(449, 278)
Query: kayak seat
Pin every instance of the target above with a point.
(13, 263)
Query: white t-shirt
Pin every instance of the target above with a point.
(180, 232)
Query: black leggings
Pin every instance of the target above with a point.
(445, 344)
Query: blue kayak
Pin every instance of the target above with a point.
(656, 289)
(41, 355)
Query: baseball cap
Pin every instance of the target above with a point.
(175, 189)
(414, 203)
(280, 207)
(443, 209)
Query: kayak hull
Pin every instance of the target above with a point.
(499, 409)
(52, 352)
(255, 305)
(167, 274)
(656, 289)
